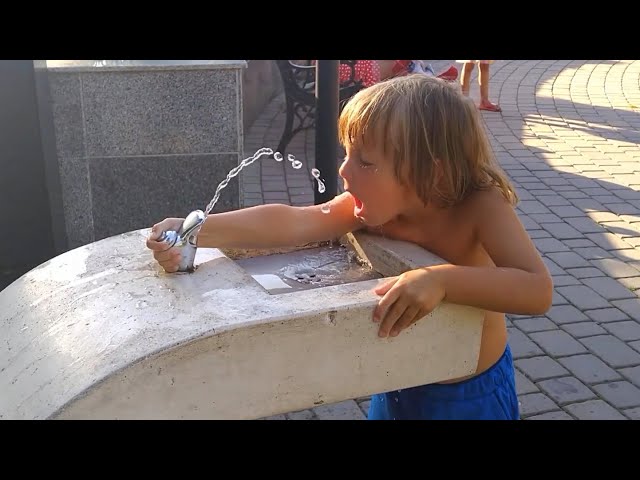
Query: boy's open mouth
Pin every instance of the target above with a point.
(358, 208)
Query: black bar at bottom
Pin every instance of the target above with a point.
(327, 128)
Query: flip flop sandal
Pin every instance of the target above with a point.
(491, 107)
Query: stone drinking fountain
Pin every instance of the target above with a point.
(102, 332)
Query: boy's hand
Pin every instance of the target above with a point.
(168, 258)
(407, 298)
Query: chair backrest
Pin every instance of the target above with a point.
(298, 81)
(299, 77)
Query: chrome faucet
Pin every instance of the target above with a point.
(185, 239)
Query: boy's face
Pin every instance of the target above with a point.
(368, 176)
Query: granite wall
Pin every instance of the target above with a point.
(138, 141)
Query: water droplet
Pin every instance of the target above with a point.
(326, 208)
(297, 164)
(315, 172)
(321, 187)
(142, 304)
(291, 158)
(278, 157)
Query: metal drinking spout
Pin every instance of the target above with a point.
(185, 239)
(191, 225)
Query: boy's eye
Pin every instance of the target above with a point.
(364, 164)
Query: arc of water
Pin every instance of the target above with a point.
(249, 160)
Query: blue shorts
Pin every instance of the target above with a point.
(488, 396)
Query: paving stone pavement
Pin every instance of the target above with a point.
(569, 138)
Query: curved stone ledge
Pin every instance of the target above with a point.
(102, 332)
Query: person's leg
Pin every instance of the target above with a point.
(386, 68)
(465, 78)
(483, 80)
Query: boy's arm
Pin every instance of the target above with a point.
(519, 284)
(274, 225)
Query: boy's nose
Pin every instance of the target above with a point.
(343, 170)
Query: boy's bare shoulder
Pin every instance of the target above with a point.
(487, 202)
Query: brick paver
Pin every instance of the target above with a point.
(569, 138)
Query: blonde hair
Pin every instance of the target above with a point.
(433, 134)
